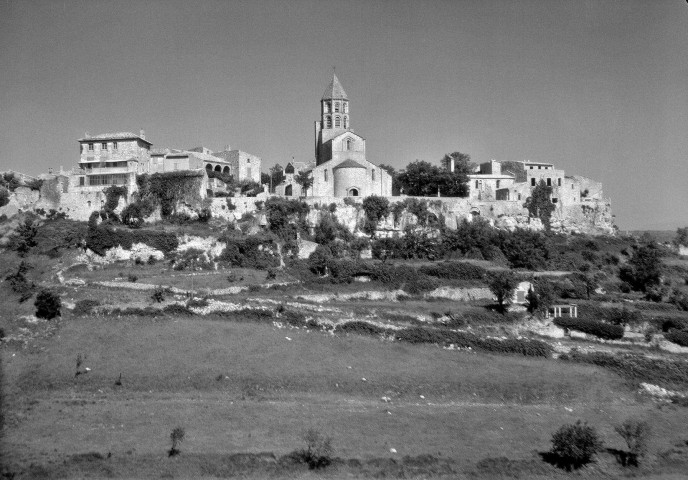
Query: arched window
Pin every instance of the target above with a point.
(336, 106)
(348, 144)
(328, 122)
(337, 122)
(353, 192)
(346, 107)
(346, 122)
(218, 168)
(326, 107)
(373, 175)
(208, 166)
(226, 170)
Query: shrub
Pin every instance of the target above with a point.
(132, 278)
(319, 261)
(177, 309)
(318, 452)
(575, 445)
(85, 307)
(272, 274)
(677, 337)
(636, 434)
(603, 330)
(158, 294)
(176, 437)
(48, 304)
(361, 328)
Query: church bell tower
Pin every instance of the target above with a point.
(334, 117)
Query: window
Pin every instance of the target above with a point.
(326, 107)
(559, 182)
(519, 196)
(81, 183)
(114, 145)
(337, 122)
(336, 106)
(555, 200)
(248, 160)
(497, 183)
(90, 146)
(476, 184)
(328, 122)
(549, 182)
(348, 144)
(346, 122)
(539, 167)
(103, 146)
(373, 175)
(532, 182)
(346, 107)
(325, 174)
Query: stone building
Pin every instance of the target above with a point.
(289, 187)
(111, 159)
(341, 167)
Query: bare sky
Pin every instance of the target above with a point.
(600, 88)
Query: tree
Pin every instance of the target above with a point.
(276, 176)
(419, 179)
(375, 208)
(305, 179)
(320, 260)
(544, 291)
(25, 237)
(637, 434)
(48, 304)
(644, 269)
(455, 183)
(681, 236)
(176, 437)
(575, 445)
(540, 205)
(502, 285)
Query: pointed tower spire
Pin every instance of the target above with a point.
(334, 90)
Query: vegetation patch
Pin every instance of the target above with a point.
(603, 330)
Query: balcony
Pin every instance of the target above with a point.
(101, 170)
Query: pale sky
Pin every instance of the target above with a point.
(599, 88)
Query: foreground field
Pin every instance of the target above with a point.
(245, 387)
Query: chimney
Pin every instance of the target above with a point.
(86, 135)
(142, 134)
(226, 148)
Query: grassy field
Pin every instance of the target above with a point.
(250, 387)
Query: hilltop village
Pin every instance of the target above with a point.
(340, 169)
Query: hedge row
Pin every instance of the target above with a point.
(603, 330)
(444, 337)
(677, 337)
(455, 270)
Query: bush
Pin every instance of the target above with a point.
(603, 330)
(677, 337)
(176, 437)
(455, 271)
(48, 304)
(20, 284)
(177, 309)
(318, 452)
(132, 278)
(85, 307)
(158, 294)
(575, 445)
(360, 328)
(636, 433)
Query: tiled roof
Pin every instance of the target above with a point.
(113, 136)
(334, 90)
(349, 164)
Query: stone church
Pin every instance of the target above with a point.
(341, 167)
